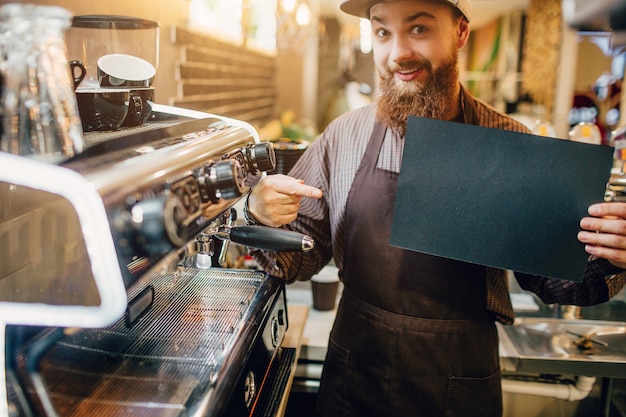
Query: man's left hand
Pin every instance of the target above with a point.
(604, 232)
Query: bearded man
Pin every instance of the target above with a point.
(414, 334)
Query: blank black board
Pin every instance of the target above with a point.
(497, 198)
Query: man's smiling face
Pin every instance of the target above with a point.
(416, 55)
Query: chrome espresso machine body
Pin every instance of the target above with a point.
(111, 296)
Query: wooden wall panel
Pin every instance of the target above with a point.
(224, 79)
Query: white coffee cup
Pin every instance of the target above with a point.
(121, 70)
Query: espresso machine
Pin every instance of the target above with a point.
(116, 297)
(112, 298)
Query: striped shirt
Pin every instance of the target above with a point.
(331, 163)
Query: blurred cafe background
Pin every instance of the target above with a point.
(257, 59)
(287, 68)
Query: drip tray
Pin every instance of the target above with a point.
(169, 359)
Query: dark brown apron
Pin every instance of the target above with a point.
(413, 336)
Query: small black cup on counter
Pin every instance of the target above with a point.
(104, 109)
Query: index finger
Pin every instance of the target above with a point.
(298, 187)
(616, 209)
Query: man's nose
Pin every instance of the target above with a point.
(401, 49)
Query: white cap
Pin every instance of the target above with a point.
(361, 8)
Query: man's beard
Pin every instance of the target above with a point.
(398, 100)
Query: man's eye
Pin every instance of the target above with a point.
(380, 33)
(418, 29)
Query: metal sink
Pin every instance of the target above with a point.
(552, 345)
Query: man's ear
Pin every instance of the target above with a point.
(463, 31)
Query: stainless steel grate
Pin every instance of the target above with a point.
(156, 367)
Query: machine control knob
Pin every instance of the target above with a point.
(222, 179)
(275, 334)
(206, 186)
(260, 157)
(175, 216)
(250, 389)
(158, 223)
(229, 179)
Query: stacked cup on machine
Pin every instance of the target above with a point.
(119, 59)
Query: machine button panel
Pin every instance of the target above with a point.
(188, 192)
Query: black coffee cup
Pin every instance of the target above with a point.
(102, 109)
(139, 110)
